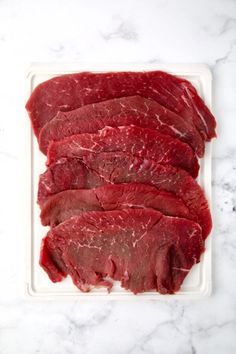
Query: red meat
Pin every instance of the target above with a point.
(140, 142)
(64, 205)
(106, 168)
(68, 92)
(143, 249)
(123, 111)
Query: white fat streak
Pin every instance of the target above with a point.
(143, 234)
(88, 246)
(80, 147)
(131, 166)
(143, 165)
(181, 269)
(82, 245)
(46, 185)
(186, 101)
(147, 107)
(139, 239)
(176, 131)
(64, 106)
(193, 233)
(195, 107)
(129, 205)
(154, 90)
(164, 156)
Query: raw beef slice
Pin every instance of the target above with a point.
(94, 245)
(117, 112)
(105, 168)
(66, 204)
(68, 92)
(140, 142)
(67, 174)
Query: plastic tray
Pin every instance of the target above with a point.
(198, 282)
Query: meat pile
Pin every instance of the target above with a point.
(119, 192)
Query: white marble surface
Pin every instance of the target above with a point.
(116, 31)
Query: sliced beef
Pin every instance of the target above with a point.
(103, 168)
(123, 111)
(140, 142)
(67, 174)
(143, 249)
(68, 92)
(69, 203)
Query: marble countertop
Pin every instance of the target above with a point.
(116, 31)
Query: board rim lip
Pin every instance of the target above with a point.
(54, 69)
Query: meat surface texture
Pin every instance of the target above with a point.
(96, 245)
(68, 92)
(140, 142)
(105, 168)
(119, 193)
(124, 111)
(67, 174)
(64, 205)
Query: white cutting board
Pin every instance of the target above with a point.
(198, 282)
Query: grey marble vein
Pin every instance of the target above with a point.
(123, 31)
(228, 24)
(226, 56)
